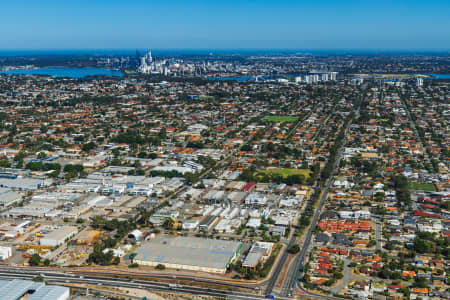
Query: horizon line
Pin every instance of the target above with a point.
(232, 49)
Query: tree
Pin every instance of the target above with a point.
(168, 223)
(76, 168)
(421, 282)
(160, 267)
(196, 145)
(116, 260)
(191, 177)
(39, 166)
(88, 146)
(142, 154)
(35, 260)
(115, 152)
(405, 291)
(422, 246)
(246, 147)
(329, 282)
(293, 249)
(4, 163)
(109, 243)
(99, 257)
(389, 246)
(371, 243)
(38, 278)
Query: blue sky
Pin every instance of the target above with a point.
(229, 24)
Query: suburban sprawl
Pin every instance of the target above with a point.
(291, 176)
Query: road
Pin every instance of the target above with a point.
(378, 231)
(291, 280)
(319, 130)
(299, 122)
(296, 266)
(279, 266)
(272, 280)
(414, 127)
(345, 279)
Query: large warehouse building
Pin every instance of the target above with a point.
(58, 236)
(18, 289)
(188, 253)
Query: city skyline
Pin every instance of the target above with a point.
(343, 25)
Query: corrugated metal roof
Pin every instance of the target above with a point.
(16, 288)
(61, 233)
(49, 292)
(3, 283)
(188, 251)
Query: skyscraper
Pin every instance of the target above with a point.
(149, 56)
(419, 81)
(333, 75)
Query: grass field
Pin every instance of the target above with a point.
(206, 98)
(421, 186)
(282, 119)
(287, 172)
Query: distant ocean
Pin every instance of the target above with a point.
(66, 52)
(65, 72)
(439, 76)
(47, 52)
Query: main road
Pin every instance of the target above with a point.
(414, 127)
(297, 265)
(273, 278)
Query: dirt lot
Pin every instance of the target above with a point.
(74, 255)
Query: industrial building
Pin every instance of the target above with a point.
(207, 223)
(190, 224)
(24, 183)
(51, 292)
(188, 253)
(58, 236)
(136, 235)
(8, 197)
(259, 253)
(26, 289)
(5, 252)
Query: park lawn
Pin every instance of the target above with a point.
(421, 186)
(282, 119)
(287, 172)
(206, 98)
